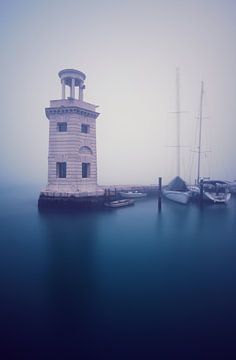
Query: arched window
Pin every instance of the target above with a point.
(85, 150)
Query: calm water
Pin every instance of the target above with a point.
(118, 284)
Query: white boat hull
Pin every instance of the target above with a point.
(119, 203)
(221, 198)
(211, 197)
(132, 194)
(181, 197)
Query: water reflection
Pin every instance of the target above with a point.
(71, 275)
(81, 280)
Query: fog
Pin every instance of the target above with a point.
(129, 51)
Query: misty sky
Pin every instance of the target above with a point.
(129, 51)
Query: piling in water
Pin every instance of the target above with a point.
(159, 193)
(201, 192)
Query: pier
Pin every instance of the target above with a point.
(96, 199)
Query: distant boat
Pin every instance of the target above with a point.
(132, 194)
(119, 203)
(213, 191)
(177, 191)
(216, 191)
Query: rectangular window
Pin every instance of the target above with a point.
(61, 169)
(85, 128)
(62, 126)
(85, 170)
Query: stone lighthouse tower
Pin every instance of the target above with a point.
(72, 157)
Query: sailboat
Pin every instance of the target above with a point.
(213, 191)
(177, 189)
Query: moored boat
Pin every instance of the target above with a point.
(119, 203)
(213, 191)
(177, 196)
(132, 194)
(177, 191)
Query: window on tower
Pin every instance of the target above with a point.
(85, 170)
(62, 126)
(61, 169)
(85, 128)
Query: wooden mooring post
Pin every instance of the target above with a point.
(159, 193)
(109, 195)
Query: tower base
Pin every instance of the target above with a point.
(79, 200)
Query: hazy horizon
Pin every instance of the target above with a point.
(129, 51)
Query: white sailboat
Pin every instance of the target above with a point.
(177, 190)
(213, 191)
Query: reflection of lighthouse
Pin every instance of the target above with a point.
(72, 158)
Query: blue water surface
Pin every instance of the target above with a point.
(126, 283)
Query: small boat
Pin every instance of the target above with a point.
(132, 194)
(119, 203)
(177, 191)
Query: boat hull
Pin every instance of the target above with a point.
(210, 197)
(181, 197)
(119, 203)
(222, 198)
(132, 195)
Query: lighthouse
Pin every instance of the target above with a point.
(72, 155)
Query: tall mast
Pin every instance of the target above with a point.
(178, 120)
(178, 112)
(200, 134)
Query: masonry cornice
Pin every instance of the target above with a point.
(71, 110)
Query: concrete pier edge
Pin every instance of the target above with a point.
(49, 199)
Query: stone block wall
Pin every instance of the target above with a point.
(66, 147)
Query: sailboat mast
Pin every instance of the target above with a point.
(200, 134)
(178, 120)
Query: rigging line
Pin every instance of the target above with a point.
(178, 112)
(178, 124)
(190, 166)
(192, 157)
(175, 146)
(200, 134)
(209, 163)
(178, 120)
